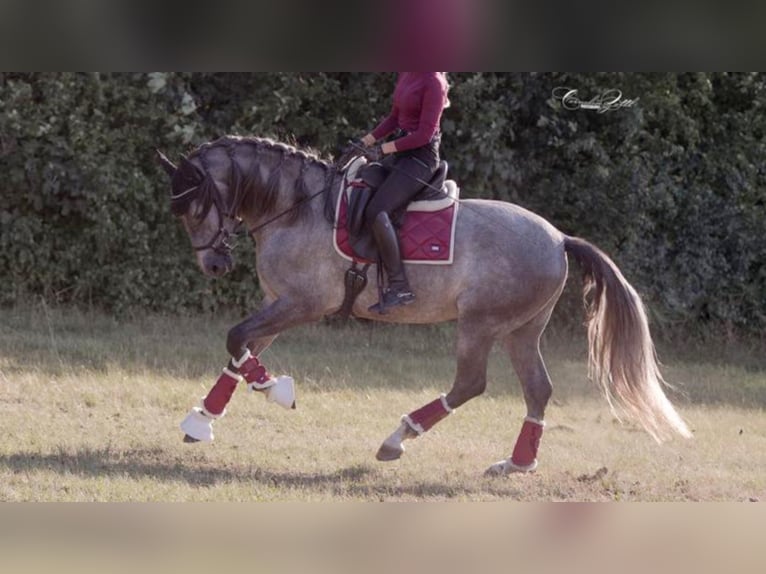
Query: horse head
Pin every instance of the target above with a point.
(196, 200)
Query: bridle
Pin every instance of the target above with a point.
(220, 242)
(228, 220)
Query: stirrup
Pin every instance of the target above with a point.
(392, 298)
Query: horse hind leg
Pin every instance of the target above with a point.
(473, 347)
(523, 346)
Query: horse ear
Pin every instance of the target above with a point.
(189, 168)
(166, 164)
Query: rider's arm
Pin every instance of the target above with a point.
(386, 127)
(432, 106)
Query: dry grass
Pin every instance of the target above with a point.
(90, 408)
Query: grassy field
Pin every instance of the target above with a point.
(90, 408)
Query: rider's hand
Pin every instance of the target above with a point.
(374, 153)
(368, 140)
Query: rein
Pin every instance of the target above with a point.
(328, 185)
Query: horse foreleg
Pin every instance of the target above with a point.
(198, 424)
(524, 349)
(245, 342)
(471, 380)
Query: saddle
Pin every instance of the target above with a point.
(426, 226)
(363, 180)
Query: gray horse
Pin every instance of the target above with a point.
(509, 270)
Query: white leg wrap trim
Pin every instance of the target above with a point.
(236, 376)
(413, 425)
(207, 413)
(447, 408)
(511, 467)
(535, 421)
(241, 361)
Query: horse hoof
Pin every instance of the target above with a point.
(387, 453)
(190, 440)
(497, 469)
(507, 467)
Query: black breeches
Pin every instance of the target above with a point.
(401, 185)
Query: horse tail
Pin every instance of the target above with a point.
(621, 354)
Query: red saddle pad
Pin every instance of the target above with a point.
(424, 237)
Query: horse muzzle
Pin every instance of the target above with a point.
(215, 264)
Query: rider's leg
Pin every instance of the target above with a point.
(398, 292)
(394, 194)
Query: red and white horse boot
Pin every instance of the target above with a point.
(198, 424)
(279, 390)
(524, 457)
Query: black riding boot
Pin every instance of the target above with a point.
(398, 291)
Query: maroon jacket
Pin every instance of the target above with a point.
(419, 100)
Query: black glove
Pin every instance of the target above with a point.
(374, 153)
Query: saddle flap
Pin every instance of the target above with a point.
(357, 202)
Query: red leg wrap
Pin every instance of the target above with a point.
(525, 451)
(254, 372)
(426, 417)
(219, 396)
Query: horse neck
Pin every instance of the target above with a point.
(287, 191)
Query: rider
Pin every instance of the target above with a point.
(418, 102)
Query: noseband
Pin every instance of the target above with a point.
(221, 241)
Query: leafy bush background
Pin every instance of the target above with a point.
(673, 188)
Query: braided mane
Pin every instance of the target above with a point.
(249, 190)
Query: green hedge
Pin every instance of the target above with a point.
(672, 187)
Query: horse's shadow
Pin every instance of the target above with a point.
(165, 467)
(147, 463)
